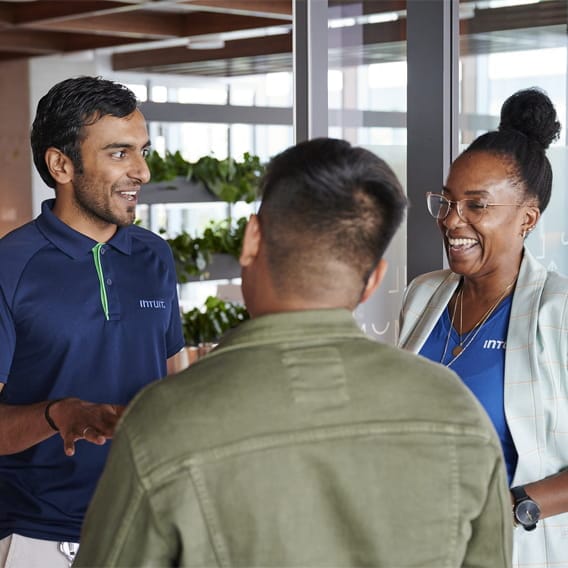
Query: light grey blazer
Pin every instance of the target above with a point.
(536, 384)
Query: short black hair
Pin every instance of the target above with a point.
(527, 127)
(69, 106)
(325, 199)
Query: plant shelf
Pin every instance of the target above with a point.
(178, 190)
(221, 267)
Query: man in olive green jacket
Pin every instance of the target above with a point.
(299, 441)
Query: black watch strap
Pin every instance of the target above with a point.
(519, 493)
(526, 511)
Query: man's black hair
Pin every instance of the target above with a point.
(67, 108)
(325, 199)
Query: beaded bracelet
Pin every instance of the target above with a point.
(48, 417)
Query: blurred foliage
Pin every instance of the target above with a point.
(228, 179)
(192, 255)
(167, 168)
(208, 324)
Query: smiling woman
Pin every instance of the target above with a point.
(498, 318)
(494, 235)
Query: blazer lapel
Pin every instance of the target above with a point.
(426, 304)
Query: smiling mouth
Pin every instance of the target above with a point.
(129, 195)
(462, 244)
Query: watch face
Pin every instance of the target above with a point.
(527, 513)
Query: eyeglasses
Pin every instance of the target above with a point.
(469, 210)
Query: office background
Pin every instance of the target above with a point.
(412, 80)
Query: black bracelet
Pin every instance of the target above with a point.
(48, 417)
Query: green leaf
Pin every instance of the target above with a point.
(192, 255)
(227, 179)
(212, 321)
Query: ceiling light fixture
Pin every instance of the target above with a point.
(206, 43)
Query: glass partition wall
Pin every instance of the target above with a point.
(367, 83)
(204, 116)
(506, 46)
(412, 80)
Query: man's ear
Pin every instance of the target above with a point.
(374, 280)
(59, 166)
(251, 242)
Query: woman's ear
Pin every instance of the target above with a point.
(374, 280)
(531, 217)
(251, 241)
(59, 165)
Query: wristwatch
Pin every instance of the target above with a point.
(526, 512)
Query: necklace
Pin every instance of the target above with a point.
(472, 334)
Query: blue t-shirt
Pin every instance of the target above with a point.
(70, 329)
(481, 367)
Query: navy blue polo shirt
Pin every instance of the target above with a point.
(481, 366)
(81, 319)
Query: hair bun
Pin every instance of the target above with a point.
(531, 112)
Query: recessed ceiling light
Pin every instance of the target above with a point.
(206, 43)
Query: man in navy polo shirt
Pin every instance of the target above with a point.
(88, 315)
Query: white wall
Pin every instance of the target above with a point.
(44, 73)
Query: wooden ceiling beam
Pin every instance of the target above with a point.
(36, 12)
(383, 32)
(6, 14)
(553, 12)
(281, 43)
(30, 43)
(258, 8)
(45, 43)
(137, 24)
(147, 25)
(202, 23)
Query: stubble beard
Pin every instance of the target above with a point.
(98, 208)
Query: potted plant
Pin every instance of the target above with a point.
(228, 179)
(193, 255)
(203, 327)
(196, 256)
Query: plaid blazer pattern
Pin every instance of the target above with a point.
(536, 384)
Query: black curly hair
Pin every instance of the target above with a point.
(527, 127)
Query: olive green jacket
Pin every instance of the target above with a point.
(301, 442)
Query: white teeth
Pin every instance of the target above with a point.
(461, 242)
(130, 195)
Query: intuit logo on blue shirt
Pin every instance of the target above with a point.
(494, 344)
(153, 304)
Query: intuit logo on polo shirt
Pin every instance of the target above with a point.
(494, 344)
(153, 304)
